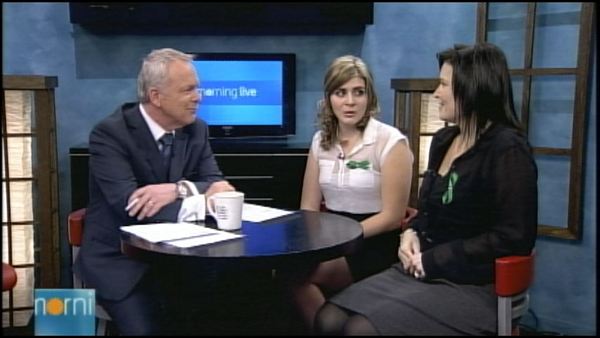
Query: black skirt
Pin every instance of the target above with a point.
(398, 304)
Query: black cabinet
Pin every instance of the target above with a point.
(266, 179)
(218, 18)
(268, 174)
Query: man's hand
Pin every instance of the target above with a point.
(218, 186)
(147, 201)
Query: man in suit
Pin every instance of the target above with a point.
(137, 175)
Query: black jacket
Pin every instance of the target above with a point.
(492, 212)
(123, 157)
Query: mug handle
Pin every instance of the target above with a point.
(209, 206)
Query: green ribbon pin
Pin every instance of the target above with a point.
(358, 165)
(448, 195)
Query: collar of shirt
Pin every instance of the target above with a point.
(370, 133)
(156, 130)
(369, 137)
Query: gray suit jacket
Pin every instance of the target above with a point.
(123, 157)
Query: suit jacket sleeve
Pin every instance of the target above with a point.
(119, 168)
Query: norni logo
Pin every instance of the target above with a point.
(65, 312)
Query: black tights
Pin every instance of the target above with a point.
(334, 320)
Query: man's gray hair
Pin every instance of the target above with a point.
(154, 70)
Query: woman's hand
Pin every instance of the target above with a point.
(417, 266)
(409, 253)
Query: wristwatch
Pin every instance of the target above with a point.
(182, 190)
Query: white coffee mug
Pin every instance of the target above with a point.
(226, 208)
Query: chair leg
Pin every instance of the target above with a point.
(504, 316)
(102, 327)
(103, 319)
(77, 284)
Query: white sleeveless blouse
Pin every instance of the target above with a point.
(351, 182)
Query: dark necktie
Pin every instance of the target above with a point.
(166, 142)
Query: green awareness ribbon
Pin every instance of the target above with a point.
(358, 165)
(448, 195)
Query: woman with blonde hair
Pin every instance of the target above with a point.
(357, 167)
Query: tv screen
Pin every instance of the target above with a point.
(247, 94)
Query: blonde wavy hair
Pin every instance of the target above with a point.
(340, 71)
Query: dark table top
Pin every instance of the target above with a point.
(302, 237)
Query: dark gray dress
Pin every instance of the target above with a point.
(491, 212)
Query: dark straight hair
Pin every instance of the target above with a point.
(482, 87)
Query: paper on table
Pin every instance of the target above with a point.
(163, 232)
(202, 240)
(259, 213)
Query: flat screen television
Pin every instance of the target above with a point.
(247, 94)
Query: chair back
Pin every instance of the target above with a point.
(76, 222)
(9, 277)
(514, 275)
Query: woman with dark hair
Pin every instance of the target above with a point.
(358, 167)
(478, 202)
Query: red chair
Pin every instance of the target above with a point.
(9, 277)
(76, 223)
(514, 274)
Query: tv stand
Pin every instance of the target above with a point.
(269, 173)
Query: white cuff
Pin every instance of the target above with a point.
(191, 187)
(193, 208)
